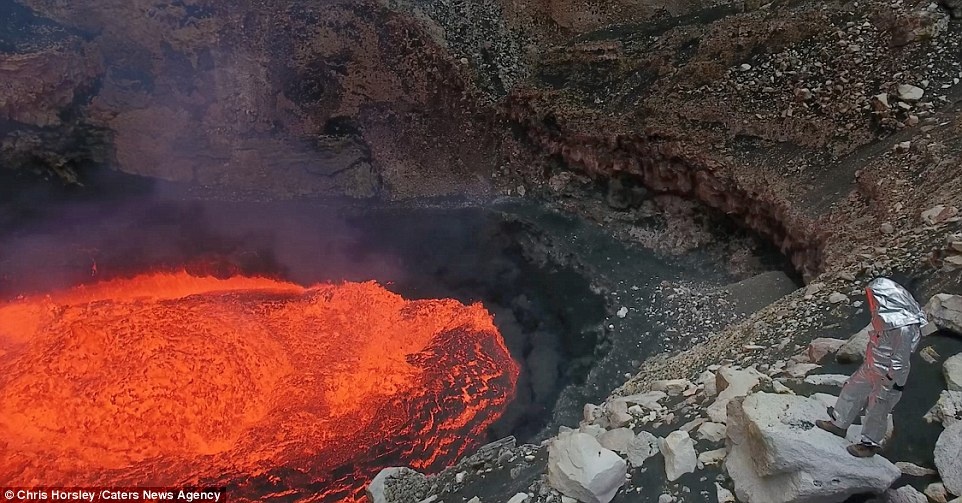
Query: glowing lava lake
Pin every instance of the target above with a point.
(267, 387)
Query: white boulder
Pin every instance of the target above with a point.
(945, 311)
(818, 348)
(948, 459)
(732, 383)
(519, 498)
(579, 467)
(952, 369)
(680, 457)
(853, 351)
(777, 455)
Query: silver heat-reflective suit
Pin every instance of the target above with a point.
(877, 385)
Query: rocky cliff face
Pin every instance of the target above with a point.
(298, 98)
(795, 120)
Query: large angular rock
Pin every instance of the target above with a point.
(948, 459)
(680, 456)
(952, 369)
(777, 455)
(853, 351)
(732, 383)
(642, 447)
(946, 312)
(818, 348)
(579, 467)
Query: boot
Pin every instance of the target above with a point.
(863, 450)
(831, 428)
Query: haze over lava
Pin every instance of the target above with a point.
(267, 387)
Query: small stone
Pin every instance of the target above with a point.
(880, 101)
(909, 92)
(904, 494)
(714, 457)
(712, 432)
(622, 312)
(837, 297)
(929, 354)
(887, 228)
(745, 67)
(519, 498)
(723, 495)
(459, 477)
(936, 492)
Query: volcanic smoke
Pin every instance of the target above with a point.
(269, 388)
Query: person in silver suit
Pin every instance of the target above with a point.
(877, 385)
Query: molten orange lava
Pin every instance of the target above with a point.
(269, 388)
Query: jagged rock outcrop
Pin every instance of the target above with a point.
(285, 101)
(777, 455)
(579, 467)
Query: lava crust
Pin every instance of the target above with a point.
(266, 387)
